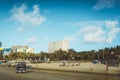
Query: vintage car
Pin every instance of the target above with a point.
(21, 67)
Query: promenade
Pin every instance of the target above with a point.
(85, 67)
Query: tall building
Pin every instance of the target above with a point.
(24, 49)
(30, 50)
(55, 46)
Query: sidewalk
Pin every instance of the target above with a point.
(83, 67)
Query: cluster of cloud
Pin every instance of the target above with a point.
(97, 31)
(101, 4)
(25, 18)
(93, 33)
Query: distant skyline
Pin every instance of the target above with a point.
(87, 24)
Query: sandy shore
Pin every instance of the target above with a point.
(83, 67)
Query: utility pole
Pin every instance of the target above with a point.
(103, 54)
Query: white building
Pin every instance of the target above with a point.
(24, 49)
(30, 50)
(55, 46)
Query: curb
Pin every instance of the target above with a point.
(72, 71)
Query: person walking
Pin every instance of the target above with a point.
(91, 66)
(106, 62)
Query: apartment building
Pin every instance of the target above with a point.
(55, 46)
(24, 49)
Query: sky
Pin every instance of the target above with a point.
(86, 24)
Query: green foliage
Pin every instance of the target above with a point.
(101, 54)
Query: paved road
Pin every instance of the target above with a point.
(9, 74)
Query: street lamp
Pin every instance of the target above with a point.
(97, 54)
(73, 60)
(112, 54)
(103, 54)
(72, 57)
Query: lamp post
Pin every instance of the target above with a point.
(73, 60)
(103, 54)
(112, 54)
(97, 54)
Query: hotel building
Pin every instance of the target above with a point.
(24, 49)
(55, 46)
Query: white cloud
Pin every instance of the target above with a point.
(71, 38)
(101, 4)
(93, 34)
(97, 33)
(32, 40)
(24, 17)
(86, 23)
(20, 29)
(111, 24)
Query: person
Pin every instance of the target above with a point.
(106, 62)
(63, 63)
(91, 66)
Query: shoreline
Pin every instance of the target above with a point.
(87, 68)
(84, 72)
(82, 68)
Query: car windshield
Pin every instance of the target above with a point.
(21, 64)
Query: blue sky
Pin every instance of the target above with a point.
(87, 24)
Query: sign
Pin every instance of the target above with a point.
(1, 49)
(0, 44)
(7, 49)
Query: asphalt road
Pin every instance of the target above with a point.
(7, 73)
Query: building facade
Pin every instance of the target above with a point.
(30, 50)
(24, 49)
(55, 46)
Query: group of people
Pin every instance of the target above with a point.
(67, 63)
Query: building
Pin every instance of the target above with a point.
(30, 50)
(55, 46)
(24, 49)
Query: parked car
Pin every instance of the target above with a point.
(11, 63)
(96, 61)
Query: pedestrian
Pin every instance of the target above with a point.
(91, 66)
(106, 62)
(63, 63)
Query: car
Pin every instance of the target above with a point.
(21, 67)
(11, 63)
(96, 61)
